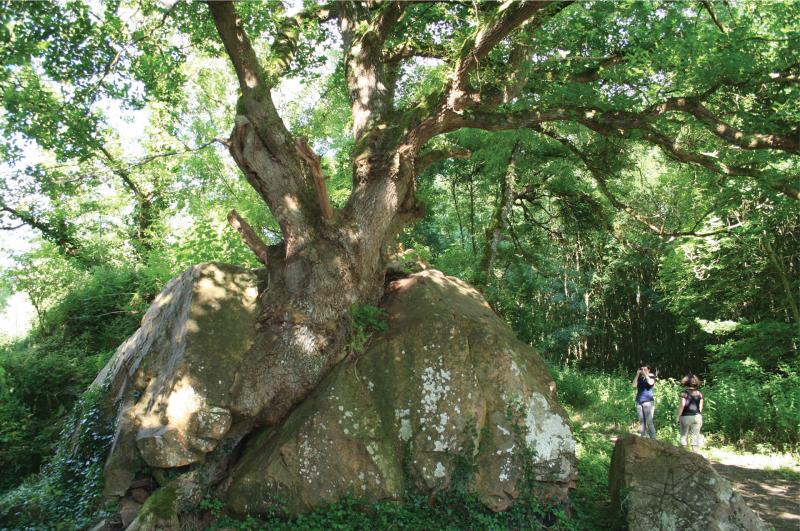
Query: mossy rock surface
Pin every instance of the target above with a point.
(159, 512)
(447, 386)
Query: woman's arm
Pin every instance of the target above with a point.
(680, 409)
(649, 379)
(636, 378)
(701, 403)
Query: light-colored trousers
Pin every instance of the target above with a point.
(690, 427)
(646, 412)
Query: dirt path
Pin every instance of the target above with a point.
(775, 498)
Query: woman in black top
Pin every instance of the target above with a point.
(689, 415)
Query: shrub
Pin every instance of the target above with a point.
(68, 490)
(757, 408)
(43, 376)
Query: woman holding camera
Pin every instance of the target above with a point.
(689, 414)
(645, 401)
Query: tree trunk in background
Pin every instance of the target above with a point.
(777, 264)
(505, 201)
(458, 213)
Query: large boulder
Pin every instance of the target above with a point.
(655, 485)
(445, 391)
(171, 380)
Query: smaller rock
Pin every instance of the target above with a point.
(159, 512)
(164, 447)
(143, 483)
(128, 509)
(211, 423)
(140, 494)
(655, 485)
(102, 525)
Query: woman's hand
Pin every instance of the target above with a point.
(677, 420)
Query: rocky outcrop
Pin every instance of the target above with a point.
(655, 485)
(447, 387)
(172, 379)
(446, 392)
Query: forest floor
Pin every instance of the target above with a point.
(768, 482)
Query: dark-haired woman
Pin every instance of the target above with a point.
(689, 415)
(645, 401)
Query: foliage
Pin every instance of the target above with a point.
(616, 252)
(751, 407)
(367, 319)
(750, 410)
(449, 509)
(42, 376)
(68, 490)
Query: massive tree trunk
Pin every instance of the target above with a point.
(330, 260)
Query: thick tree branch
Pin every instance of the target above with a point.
(284, 44)
(252, 80)
(499, 121)
(253, 83)
(618, 204)
(732, 135)
(58, 232)
(672, 148)
(410, 49)
(367, 76)
(710, 10)
(122, 173)
(386, 18)
(249, 236)
(435, 155)
(593, 73)
(444, 112)
(487, 37)
(618, 125)
(261, 144)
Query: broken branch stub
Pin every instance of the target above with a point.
(312, 159)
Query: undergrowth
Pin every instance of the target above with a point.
(453, 509)
(757, 412)
(66, 494)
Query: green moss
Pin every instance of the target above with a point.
(162, 504)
